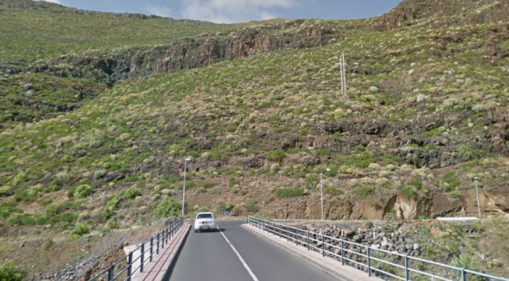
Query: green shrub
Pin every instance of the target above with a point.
(113, 202)
(363, 191)
(451, 181)
(206, 184)
(9, 271)
(233, 182)
(252, 207)
(189, 184)
(416, 182)
(276, 155)
(290, 192)
(224, 207)
(131, 193)
(408, 192)
(323, 152)
(83, 191)
(312, 181)
(108, 213)
(79, 231)
(169, 206)
(332, 190)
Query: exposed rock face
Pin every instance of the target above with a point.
(492, 202)
(439, 13)
(187, 53)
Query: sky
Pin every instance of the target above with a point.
(233, 11)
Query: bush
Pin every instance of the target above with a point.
(113, 202)
(276, 155)
(408, 192)
(79, 231)
(169, 206)
(224, 207)
(9, 271)
(451, 181)
(233, 182)
(83, 191)
(252, 207)
(332, 190)
(131, 193)
(290, 192)
(416, 182)
(363, 191)
(206, 184)
(236, 211)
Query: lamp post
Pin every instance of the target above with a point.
(477, 193)
(321, 192)
(184, 188)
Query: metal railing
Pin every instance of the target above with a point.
(126, 267)
(373, 260)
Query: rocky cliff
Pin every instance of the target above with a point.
(189, 53)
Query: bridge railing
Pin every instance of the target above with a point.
(374, 261)
(126, 267)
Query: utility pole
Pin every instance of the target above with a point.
(321, 193)
(478, 203)
(184, 188)
(342, 63)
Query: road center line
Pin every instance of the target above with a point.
(240, 258)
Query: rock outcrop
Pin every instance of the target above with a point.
(188, 53)
(439, 13)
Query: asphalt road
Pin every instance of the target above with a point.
(246, 257)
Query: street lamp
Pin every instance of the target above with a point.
(321, 192)
(478, 203)
(184, 189)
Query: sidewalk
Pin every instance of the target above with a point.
(158, 269)
(327, 265)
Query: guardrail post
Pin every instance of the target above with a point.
(342, 252)
(323, 245)
(151, 247)
(130, 266)
(142, 258)
(307, 240)
(369, 261)
(162, 239)
(407, 271)
(110, 272)
(463, 275)
(157, 248)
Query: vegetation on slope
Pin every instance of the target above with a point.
(32, 31)
(426, 112)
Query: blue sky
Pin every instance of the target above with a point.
(230, 11)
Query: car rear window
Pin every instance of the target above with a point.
(205, 216)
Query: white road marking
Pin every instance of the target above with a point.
(240, 258)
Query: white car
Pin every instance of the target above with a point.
(204, 221)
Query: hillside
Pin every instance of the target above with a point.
(100, 142)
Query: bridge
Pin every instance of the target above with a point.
(266, 250)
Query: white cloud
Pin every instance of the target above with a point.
(52, 1)
(228, 11)
(161, 11)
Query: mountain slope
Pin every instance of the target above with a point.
(426, 113)
(440, 13)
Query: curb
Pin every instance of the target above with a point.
(161, 267)
(316, 263)
(175, 257)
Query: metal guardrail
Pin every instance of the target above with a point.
(118, 271)
(375, 261)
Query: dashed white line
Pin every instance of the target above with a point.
(240, 257)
